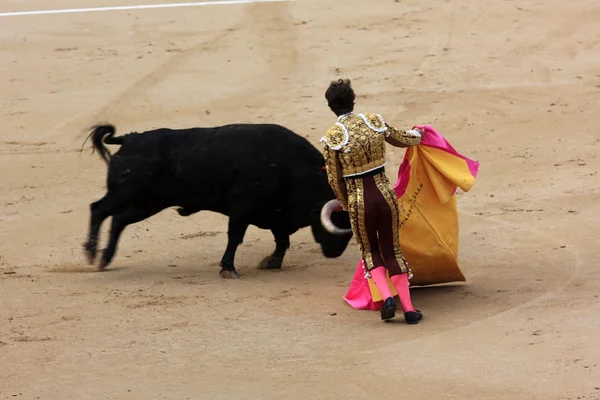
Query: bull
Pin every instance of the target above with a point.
(263, 175)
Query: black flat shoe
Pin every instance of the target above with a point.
(389, 309)
(413, 317)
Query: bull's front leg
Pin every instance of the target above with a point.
(235, 237)
(282, 244)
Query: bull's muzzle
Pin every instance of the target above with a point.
(329, 208)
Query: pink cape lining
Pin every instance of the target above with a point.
(359, 294)
(431, 138)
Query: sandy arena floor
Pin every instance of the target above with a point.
(512, 84)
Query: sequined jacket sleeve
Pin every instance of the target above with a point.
(333, 141)
(402, 138)
(334, 175)
(395, 137)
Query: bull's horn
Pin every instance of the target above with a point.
(326, 211)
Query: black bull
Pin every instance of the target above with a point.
(256, 174)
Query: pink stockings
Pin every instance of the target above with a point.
(400, 283)
(380, 280)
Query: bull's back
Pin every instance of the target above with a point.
(246, 144)
(272, 156)
(254, 144)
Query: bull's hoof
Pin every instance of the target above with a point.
(90, 253)
(229, 274)
(103, 262)
(271, 262)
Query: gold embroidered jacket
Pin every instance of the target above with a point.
(356, 145)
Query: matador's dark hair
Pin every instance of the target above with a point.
(340, 96)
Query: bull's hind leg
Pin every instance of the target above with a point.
(119, 223)
(282, 244)
(235, 237)
(99, 211)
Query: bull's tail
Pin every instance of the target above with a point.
(102, 135)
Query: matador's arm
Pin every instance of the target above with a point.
(334, 175)
(393, 136)
(402, 138)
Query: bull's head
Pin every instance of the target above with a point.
(333, 231)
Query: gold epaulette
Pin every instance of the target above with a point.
(336, 137)
(374, 122)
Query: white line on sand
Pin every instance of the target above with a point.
(139, 7)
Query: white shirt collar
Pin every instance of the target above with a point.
(344, 115)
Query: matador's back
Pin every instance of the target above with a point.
(358, 141)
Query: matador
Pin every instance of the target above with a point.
(354, 152)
